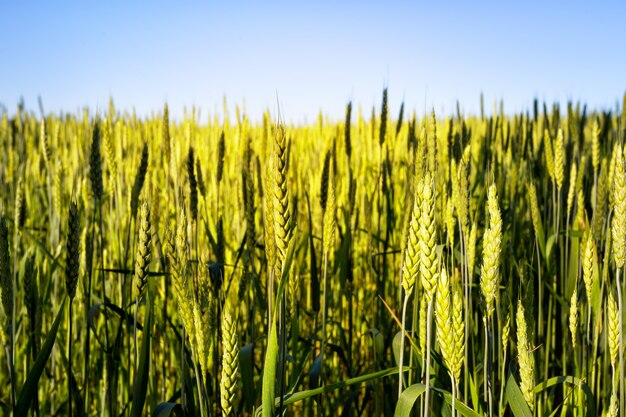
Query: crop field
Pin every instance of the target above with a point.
(385, 263)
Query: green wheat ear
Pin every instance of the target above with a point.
(200, 179)
(462, 201)
(618, 225)
(571, 192)
(595, 144)
(142, 259)
(443, 318)
(588, 252)
(72, 253)
(140, 178)
(165, 135)
(6, 281)
(95, 163)
(573, 316)
(330, 224)
(177, 249)
(613, 333)
(450, 222)
(471, 249)
(281, 214)
(193, 185)
(547, 141)
(348, 141)
(506, 330)
(31, 299)
(489, 274)
(458, 328)
(600, 211)
(534, 209)
(46, 152)
(109, 152)
(429, 261)
(525, 357)
(383, 118)
(559, 159)
(221, 152)
(324, 181)
(412, 254)
(230, 362)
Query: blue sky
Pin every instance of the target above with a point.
(312, 55)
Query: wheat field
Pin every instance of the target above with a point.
(381, 263)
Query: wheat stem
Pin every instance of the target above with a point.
(401, 361)
(428, 339)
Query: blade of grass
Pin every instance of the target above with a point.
(32, 380)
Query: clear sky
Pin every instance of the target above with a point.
(311, 55)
